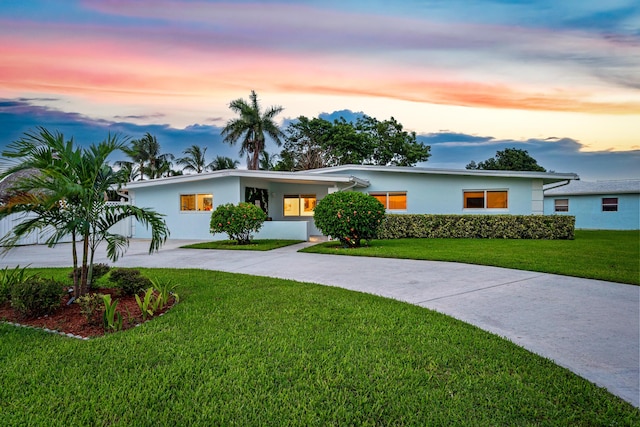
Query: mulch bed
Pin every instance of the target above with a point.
(68, 319)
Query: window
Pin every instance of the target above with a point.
(486, 199)
(609, 204)
(561, 205)
(299, 205)
(196, 202)
(393, 201)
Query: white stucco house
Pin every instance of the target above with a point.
(290, 197)
(603, 205)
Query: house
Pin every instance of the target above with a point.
(605, 205)
(289, 198)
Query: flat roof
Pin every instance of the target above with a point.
(626, 186)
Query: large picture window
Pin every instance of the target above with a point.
(486, 199)
(196, 202)
(609, 204)
(392, 200)
(299, 205)
(561, 205)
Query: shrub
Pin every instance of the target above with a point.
(238, 222)
(477, 227)
(129, 280)
(36, 296)
(8, 278)
(349, 216)
(89, 305)
(99, 270)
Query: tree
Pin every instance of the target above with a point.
(251, 127)
(305, 143)
(390, 145)
(67, 196)
(145, 152)
(267, 161)
(222, 163)
(194, 159)
(512, 159)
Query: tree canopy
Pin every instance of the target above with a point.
(316, 143)
(513, 159)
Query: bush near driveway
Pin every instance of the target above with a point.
(239, 222)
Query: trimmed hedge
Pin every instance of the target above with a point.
(552, 227)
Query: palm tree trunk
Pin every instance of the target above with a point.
(85, 255)
(74, 252)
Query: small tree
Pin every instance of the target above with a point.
(349, 216)
(237, 221)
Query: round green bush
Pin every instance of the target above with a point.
(238, 222)
(36, 296)
(129, 280)
(349, 216)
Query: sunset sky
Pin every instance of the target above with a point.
(560, 79)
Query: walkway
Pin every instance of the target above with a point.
(588, 326)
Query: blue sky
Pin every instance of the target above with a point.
(559, 79)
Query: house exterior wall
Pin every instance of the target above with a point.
(165, 199)
(589, 215)
(443, 194)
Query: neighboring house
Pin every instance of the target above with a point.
(290, 197)
(605, 205)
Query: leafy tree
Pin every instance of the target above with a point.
(238, 221)
(390, 145)
(251, 127)
(67, 196)
(349, 216)
(267, 161)
(305, 144)
(222, 163)
(194, 159)
(512, 159)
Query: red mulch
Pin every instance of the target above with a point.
(68, 319)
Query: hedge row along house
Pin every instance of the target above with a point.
(289, 198)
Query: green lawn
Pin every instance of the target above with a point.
(255, 245)
(244, 350)
(605, 255)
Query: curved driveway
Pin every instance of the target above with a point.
(591, 327)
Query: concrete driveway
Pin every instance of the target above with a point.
(591, 327)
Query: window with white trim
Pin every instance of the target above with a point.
(561, 205)
(196, 202)
(299, 204)
(609, 204)
(486, 199)
(392, 200)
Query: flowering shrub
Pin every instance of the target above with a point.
(349, 216)
(237, 221)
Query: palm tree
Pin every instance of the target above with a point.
(222, 163)
(251, 127)
(145, 152)
(68, 194)
(267, 161)
(194, 159)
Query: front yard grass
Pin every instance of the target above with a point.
(255, 245)
(594, 254)
(245, 350)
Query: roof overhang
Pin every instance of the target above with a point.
(267, 176)
(546, 177)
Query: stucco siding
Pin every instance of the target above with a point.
(589, 215)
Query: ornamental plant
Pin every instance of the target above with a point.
(238, 222)
(349, 216)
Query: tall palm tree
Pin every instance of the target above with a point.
(68, 193)
(222, 163)
(267, 161)
(194, 159)
(251, 127)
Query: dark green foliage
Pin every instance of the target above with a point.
(349, 216)
(99, 270)
(129, 280)
(238, 221)
(36, 296)
(510, 159)
(477, 227)
(10, 277)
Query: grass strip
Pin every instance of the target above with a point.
(594, 254)
(255, 245)
(246, 350)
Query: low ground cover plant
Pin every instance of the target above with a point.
(239, 222)
(243, 350)
(349, 216)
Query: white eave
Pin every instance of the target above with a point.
(547, 177)
(270, 176)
